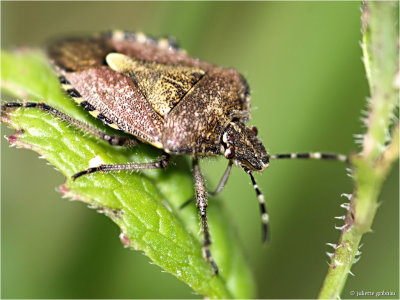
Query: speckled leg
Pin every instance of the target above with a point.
(113, 140)
(201, 202)
(221, 185)
(162, 163)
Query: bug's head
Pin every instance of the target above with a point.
(242, 145)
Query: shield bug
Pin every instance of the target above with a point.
(157, 93)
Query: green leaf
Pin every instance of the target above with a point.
(143, 204)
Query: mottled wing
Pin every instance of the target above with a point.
(118, 103)
(163, 86)
(196, 124)
(161, 51)
(106, 94)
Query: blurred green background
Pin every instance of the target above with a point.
(303, 63)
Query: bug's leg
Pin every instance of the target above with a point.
(113, 140)
(223, 180)
(221, 185)
(312, 155)
(186, 203)
(162, 163)
(263, 209)
(201, 202)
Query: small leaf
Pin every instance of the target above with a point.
(143, 204)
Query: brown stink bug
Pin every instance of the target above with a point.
(157, 93)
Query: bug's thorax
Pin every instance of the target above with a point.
(241, 144)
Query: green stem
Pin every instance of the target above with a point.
(380, 50)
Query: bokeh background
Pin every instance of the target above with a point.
(303, 63)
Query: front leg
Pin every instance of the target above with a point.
(162, 163)
(221, 185)
(113, 140)
(201, 203)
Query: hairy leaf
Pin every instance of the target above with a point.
(143, 204)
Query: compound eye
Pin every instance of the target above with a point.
(229, 153)
(254, 129)
(265, 160)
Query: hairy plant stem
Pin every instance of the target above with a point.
(380, 148)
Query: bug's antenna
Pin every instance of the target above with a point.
(264, 213)
(312, 155)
